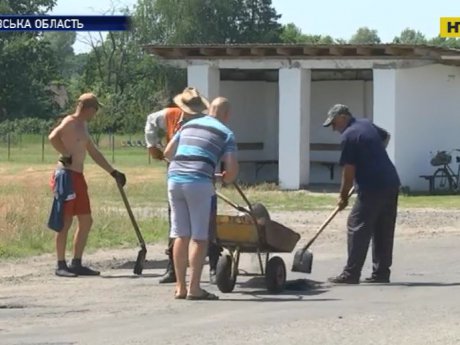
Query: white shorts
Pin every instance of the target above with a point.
(191, 207)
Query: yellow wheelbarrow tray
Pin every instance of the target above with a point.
(252, 232)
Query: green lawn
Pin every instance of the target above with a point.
(34, 148)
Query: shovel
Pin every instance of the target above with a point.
(303, 258)
(139, 266)
(257, 210)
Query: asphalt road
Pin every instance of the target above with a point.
(420, 306)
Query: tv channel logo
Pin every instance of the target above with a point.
(450, 27)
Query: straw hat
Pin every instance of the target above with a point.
(191, 102)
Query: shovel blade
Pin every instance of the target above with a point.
(261, 214)
(139, 266)
(303, 261)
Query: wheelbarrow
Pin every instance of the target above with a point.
(252, 231)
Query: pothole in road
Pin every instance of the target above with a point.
(12, 306)
(50, 344)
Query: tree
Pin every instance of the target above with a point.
(410, 36)
(233, 21)
(318, 39)
(165, 21)
(445, 42)
(26, 6)
(258, 21)
(129, 81)
(290, 33)
(28, 66)
(327, 40)
(61, 42)
(365, 35)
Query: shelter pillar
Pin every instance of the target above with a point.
(294, 127)
(385, 83)
(205, 78)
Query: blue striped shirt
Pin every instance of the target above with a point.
(202, 143)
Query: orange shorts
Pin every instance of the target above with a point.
(80, 204)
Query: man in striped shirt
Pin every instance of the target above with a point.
(194, 152)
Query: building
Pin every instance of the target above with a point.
(281, 93)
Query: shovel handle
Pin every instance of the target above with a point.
(231, 203)
(246, 200)
(240, 192)
(131, 215)
(326, 223)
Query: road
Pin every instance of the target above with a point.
(420, 306)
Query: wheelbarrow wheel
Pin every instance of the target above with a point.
(275, 275)
(225, 280)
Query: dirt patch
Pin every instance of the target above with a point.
(415, 223)
(409, 221)
(26, 176)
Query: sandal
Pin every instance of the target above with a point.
(205, 296)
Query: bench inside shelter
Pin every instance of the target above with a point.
(430, 179)
(258, 163)
(330, 164)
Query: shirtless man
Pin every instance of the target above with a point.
(71, 139)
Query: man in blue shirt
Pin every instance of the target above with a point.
(365, 162)
(194, 152)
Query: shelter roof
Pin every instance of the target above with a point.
(304, 51)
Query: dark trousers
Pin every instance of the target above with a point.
(213, 249)
(373, 216)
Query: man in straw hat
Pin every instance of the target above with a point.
(194, 152)
(185, 106)
(72, 140)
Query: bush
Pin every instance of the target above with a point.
(29, 125)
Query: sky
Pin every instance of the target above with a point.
(337, 18)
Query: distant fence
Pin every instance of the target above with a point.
(36, 148)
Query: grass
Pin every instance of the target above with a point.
(28, 148)
(450, 202)
(275, 199)
(25, 201)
